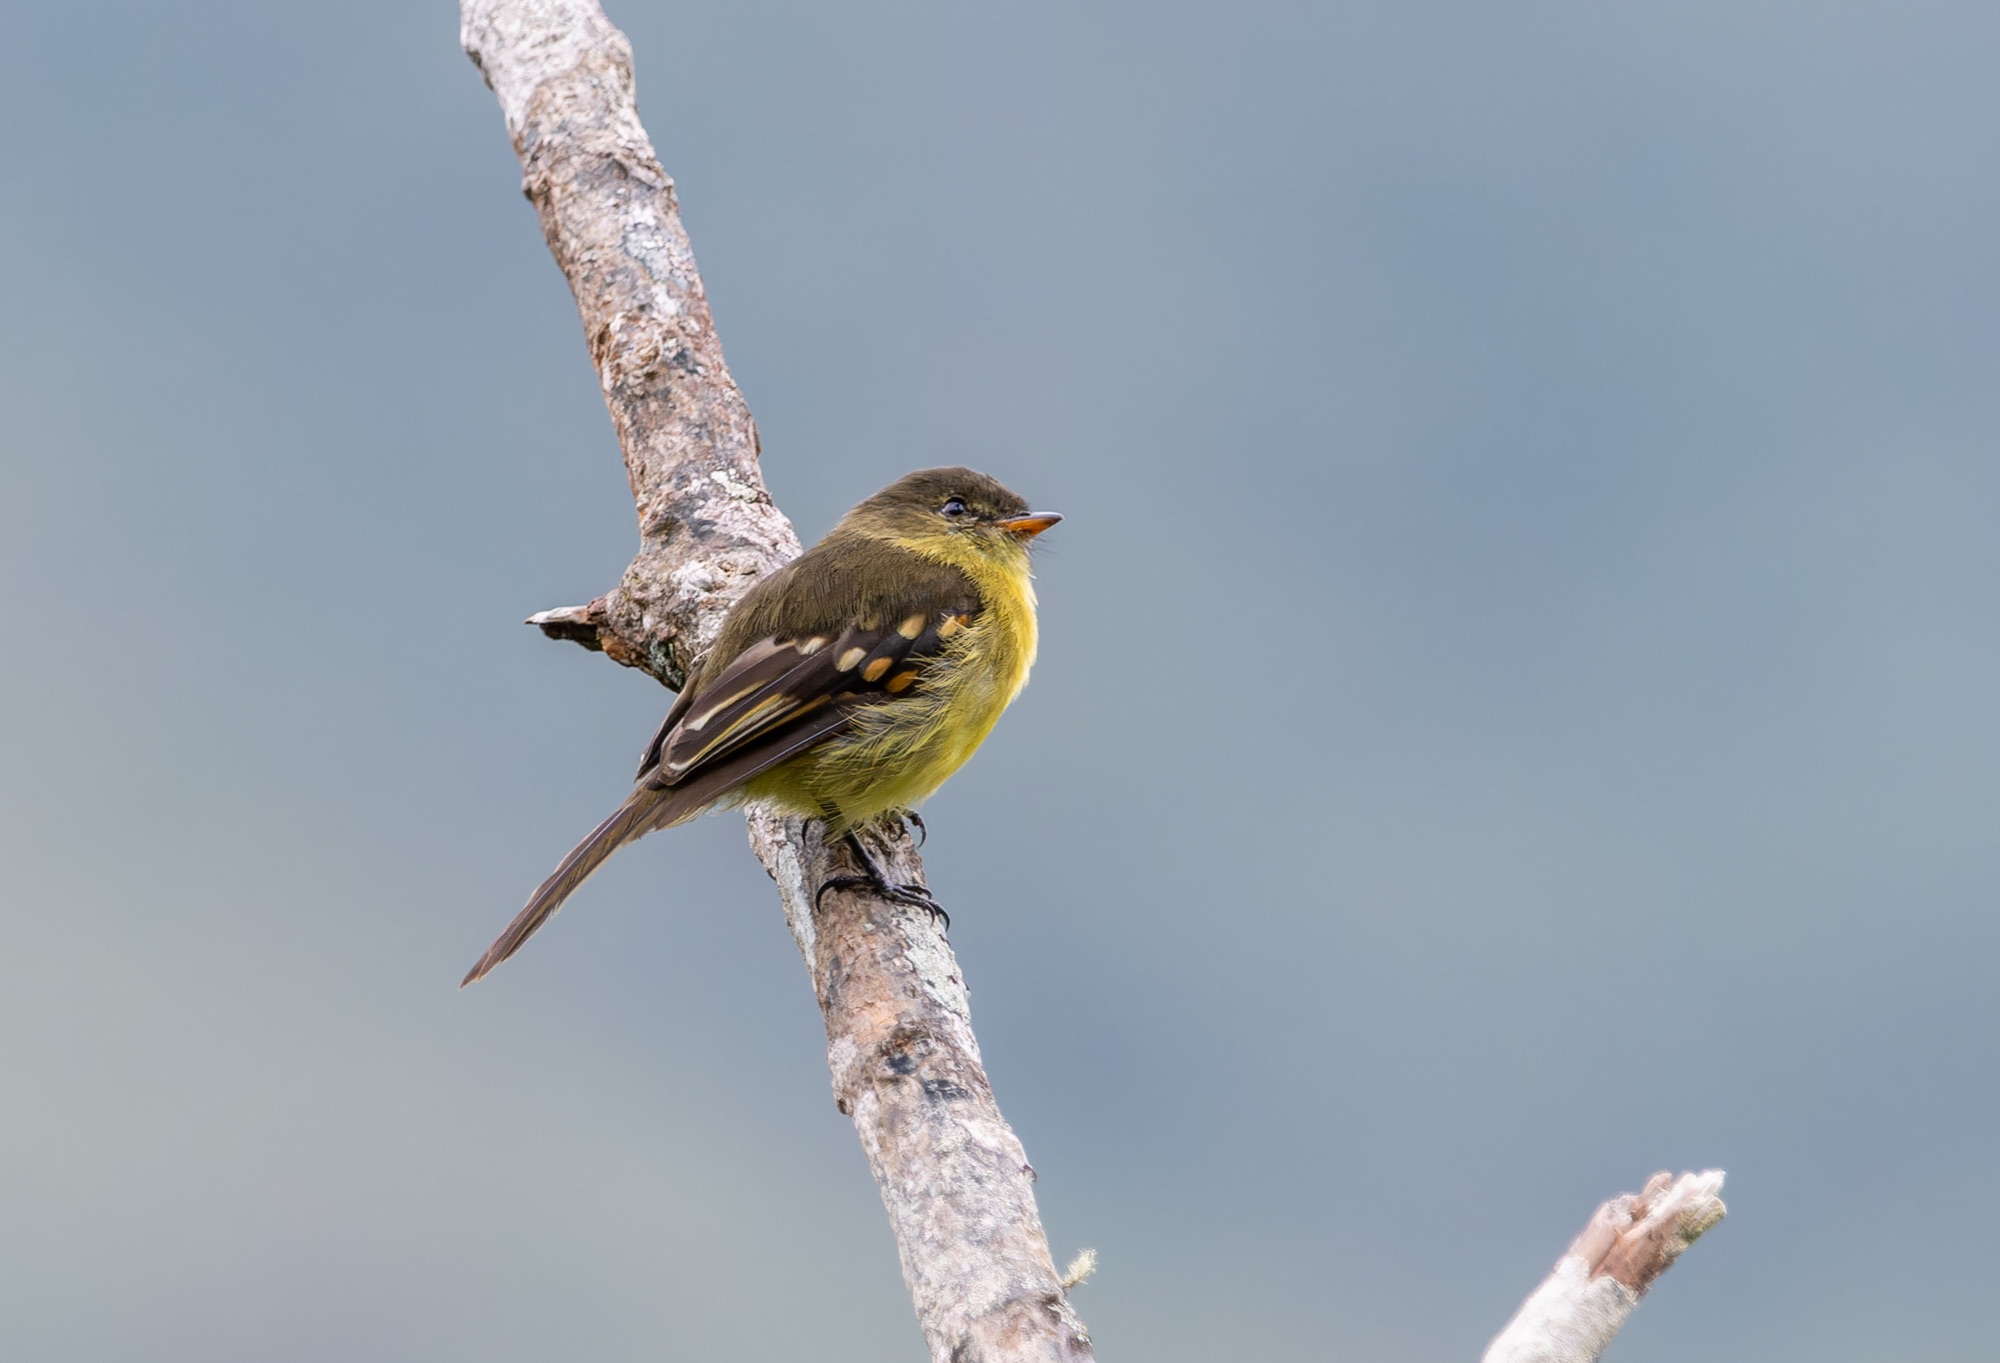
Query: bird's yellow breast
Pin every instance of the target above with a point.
(1003, 639)
(895, 755)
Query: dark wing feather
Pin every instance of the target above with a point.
(770, 684)
(651, 757)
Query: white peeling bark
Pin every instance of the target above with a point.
(1631, 1241)
(905, 1064)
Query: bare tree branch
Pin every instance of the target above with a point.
(905, 1064)
(1632, 1240)
(906, 1068)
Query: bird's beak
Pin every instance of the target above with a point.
(1028, 526)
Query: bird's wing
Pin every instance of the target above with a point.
(783, 694)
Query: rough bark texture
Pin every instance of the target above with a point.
(707, 528)
(905, 1065)
(1632, 1240)
(906, 1069)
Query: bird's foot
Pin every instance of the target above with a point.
(916, 896)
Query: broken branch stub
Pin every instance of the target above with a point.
(1625, 1247)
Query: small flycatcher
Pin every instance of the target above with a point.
(849, 683)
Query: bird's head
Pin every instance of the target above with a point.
(951, 513)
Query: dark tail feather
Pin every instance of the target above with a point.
(650, 807)
(644, 810)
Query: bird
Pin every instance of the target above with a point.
(846, 686)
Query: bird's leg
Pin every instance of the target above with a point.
(916, 896)
(917, 821)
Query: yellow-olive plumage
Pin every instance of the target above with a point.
(849, 683)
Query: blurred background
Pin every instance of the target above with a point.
(1516, 710)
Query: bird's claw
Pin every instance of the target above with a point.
(843, 883)
(917, 897)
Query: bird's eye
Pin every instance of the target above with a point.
(953, 507)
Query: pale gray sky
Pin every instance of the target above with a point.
(1523, 639)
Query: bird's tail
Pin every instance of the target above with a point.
(644, 810)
